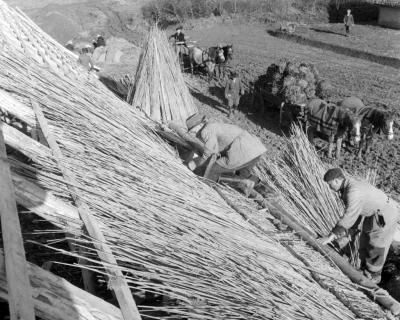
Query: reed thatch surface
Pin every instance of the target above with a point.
(159, 88)
(170, 232)
(297, 176)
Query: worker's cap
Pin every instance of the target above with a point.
(179, 28)
(195, 120)
(333, 173)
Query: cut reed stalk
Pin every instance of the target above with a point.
(160, 89)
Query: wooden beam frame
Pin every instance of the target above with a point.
(55, 298)
(20, 292)
(46, 205)
(117, 282)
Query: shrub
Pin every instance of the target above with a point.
(173, 11)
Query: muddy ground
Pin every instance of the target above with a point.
(255, 50)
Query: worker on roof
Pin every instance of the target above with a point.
(85, 58)
(99, 42)
(371, 212)
(236, 150)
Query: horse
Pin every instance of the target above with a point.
(217, 55)
(199, 57)
(222, 55)
(374, 121)
(333, 121)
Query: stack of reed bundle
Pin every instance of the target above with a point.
(297, 176)
(295, 82)
(159, 88)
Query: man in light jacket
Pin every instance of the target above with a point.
(369, 210)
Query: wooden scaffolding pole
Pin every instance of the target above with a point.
(55, 298)
(117, 282)
(20, 291)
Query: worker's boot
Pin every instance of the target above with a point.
(375, 277)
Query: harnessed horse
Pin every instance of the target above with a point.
(374, 121)
(199, 57)
(217, 55)
(222, 63)
(332, 121)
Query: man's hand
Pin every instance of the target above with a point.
(328, 239)
(192, 165)
(165, 126)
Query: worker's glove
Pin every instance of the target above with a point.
(192, 165)
(165, 127)
(328, 239)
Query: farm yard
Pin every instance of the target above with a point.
(255, 50)
(371, 39)
(140, 229)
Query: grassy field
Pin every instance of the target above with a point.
(372, 39)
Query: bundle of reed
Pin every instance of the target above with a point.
(295, 82)
(159, 88)
(297, 176)
(170, 233)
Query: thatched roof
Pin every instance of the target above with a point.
(170, 232)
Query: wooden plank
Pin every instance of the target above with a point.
(20, 292)
(117, 282)
(26, 145)
(57, 299)
(16, 108)
(46, 205)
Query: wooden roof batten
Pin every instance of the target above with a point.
(117, 283)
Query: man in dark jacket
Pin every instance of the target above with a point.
(370, 211)
(179, 42)
(179, 36)
(233, 90)
(348, 22)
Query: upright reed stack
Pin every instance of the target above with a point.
(297, 176)
(159, 88)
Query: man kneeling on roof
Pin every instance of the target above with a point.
(236, 150)
(369, 211)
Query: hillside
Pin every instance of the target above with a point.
(66, 19)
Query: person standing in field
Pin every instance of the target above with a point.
(348, 22)
(233, 91)
(368, 211)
